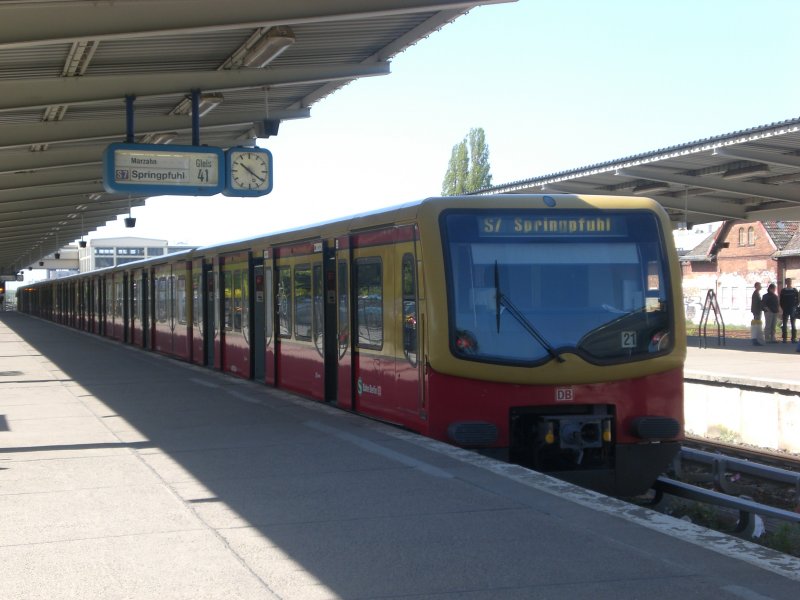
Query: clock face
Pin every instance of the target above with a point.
(249, 170)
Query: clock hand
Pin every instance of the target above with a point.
(253, 173)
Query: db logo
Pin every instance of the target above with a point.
(566, 394)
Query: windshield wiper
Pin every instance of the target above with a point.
(501, 300)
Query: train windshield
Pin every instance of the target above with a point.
(525, 287)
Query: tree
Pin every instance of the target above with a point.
(468, 169)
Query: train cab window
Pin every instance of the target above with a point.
(343, 293)
(409, 283)
(525, 286)
(284, 302)
(302, 302)
(369, 302)
(180, 301)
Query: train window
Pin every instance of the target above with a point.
(228, 295)
(269, 307)
(135, 305)
(118, 299)
(319, 308)
(369, 307)
(181, 300)
(109, 304)
(161, 299)
(197, 307)
(409, 283)
(283, 299)
(344, 308)
(244, 304)
(302, 302)
(171, 300)
(237, 300)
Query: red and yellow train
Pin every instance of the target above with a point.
(546, 330)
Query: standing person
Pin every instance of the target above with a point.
(789, 300)
(756, 327)
(772, 307)
(755, 302)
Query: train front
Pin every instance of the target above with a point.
(555, 334)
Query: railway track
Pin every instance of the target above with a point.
(751, 492)
(783, 460)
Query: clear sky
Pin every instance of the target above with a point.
(555, 84)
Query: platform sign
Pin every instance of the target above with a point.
(158, 169)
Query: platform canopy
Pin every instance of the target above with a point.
(751, 175)
(66, 67)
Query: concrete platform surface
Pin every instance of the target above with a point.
(128, 475)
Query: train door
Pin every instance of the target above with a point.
(181, 316)
(258, 338)
(299, 298)
(270, 339)
(236, 327)
(117, 310)
(198, 310)
(163, 324)
(386, 369)
(344, 354)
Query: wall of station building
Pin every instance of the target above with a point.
(732, 273)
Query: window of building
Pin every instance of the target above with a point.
(103, 251)
(155, 251)
(751, 236)
(742, 239)
(101, 263)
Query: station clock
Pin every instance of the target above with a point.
(248, 171)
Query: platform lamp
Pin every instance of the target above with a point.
(82, 242)
(130, 221)
(57, 254)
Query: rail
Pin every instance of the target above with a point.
(747, 508)
(721, 463)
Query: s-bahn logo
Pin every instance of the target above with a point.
(366, 388)
(565, 394)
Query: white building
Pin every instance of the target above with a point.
(110, 252)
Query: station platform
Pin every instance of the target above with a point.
(128, 475)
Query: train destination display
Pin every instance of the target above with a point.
(160, 170)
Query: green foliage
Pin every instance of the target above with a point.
(468, 169)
